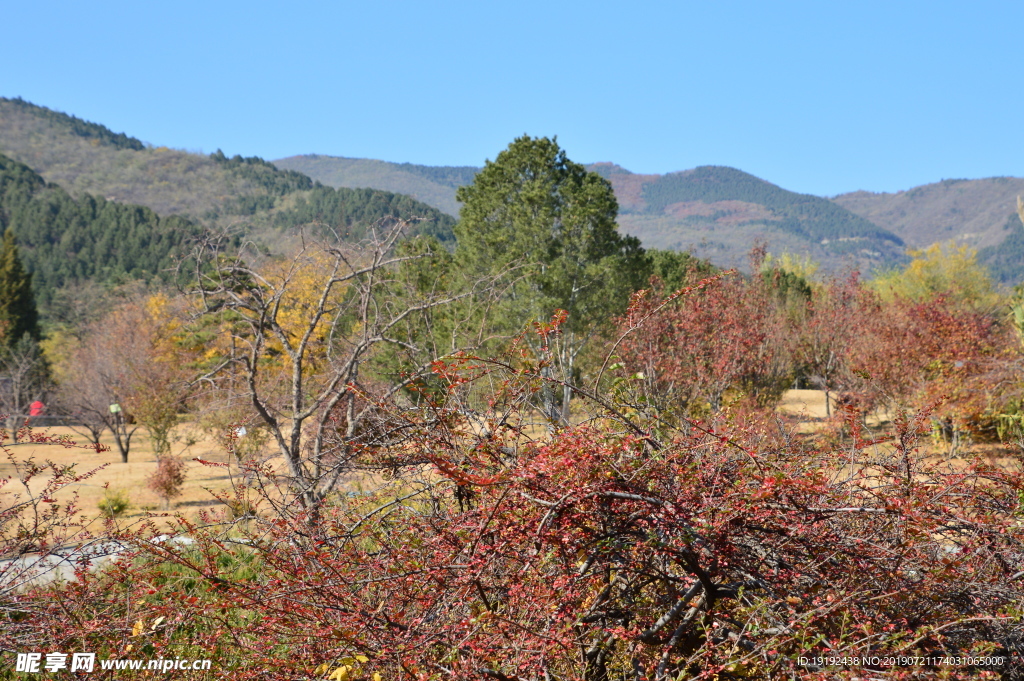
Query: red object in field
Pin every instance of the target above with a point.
(36, 408)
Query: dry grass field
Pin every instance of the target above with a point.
(129, 478)
(807, 408)
(804, 408)
(808, 404)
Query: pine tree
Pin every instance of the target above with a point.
(547, 226)
(18, 315)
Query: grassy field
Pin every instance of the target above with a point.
(805, 409)
(129, 478)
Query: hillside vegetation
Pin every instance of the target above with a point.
(810, 216)
(87, 158)
(433, 185)
(419, 472)
(719, 211)
(91, 204)
(714, 210)
(66, 241)
(979, 213)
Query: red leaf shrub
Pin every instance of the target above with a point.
(168, 478)
(607, 551)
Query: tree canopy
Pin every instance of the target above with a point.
(553, 224)
(547, 226)
(18, 315)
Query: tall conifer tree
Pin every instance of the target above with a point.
(18, 315)
(547, 225)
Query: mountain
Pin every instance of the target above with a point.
(87, 158)
(433, 185)
(220, 191)
(980, 213)
(91, 205)
(65, 242)
(715, 212)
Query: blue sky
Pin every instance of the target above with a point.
(817, 97)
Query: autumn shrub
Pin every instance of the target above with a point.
(650, 540)
(728, 335)
(168, 478)
(629, 546)
(908, 354)
(33, 525)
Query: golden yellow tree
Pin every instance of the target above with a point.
(941, 269)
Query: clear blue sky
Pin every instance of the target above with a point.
(818, 97)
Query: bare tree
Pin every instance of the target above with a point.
(301, 335)
(115, 378)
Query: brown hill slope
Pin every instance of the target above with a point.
(433, 185)
(84, 158)
(972, 211)
(238, 193)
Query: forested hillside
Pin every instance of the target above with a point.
(716, 211)
(88, 204)
(64, 240)
(811, 216)
(350, 212)
(86, 158)
(433, 185)
(216, 190)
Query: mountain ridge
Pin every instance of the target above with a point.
(976, 212)
(88, 205)
(716, 212)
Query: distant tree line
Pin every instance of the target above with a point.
(450, 176)
(350, 212)
(66, 240)
(1006, 260)
(264, 174)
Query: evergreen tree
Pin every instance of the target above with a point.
(547, 226)
(18, 316)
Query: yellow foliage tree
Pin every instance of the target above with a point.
(130, 367)
(941, 269)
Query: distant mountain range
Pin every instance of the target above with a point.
(92, 206)
(980, 213)
(715, 212)
(718, 212)
(433, 185)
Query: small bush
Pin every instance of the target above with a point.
(167, 479)
(114, 503)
